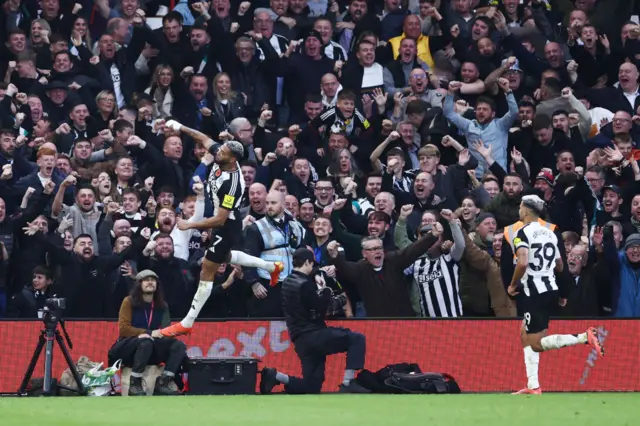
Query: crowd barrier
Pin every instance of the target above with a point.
(483, 355)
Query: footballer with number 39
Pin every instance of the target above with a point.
(538, 261)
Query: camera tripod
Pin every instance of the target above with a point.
(47, 336)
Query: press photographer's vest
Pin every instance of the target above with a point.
(511, 231)
(279, 244)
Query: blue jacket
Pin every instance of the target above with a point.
(629, 298)
(495, 134)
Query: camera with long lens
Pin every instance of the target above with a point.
(52, 312)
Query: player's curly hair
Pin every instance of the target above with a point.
(236, 148)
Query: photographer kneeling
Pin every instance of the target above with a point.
(142, 315)
(305, 307)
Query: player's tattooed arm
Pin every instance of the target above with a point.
(199, 137)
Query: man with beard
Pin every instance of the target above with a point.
(378, 225)
(485, 127)
(504, 206)
(140, 343)
(9, 154)
(354, 21)
(84, 279)
(273, 238)
(225, 186)
(180, 237)
(159, 256)
(84, 212)
(417, 89)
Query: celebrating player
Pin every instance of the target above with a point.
(538, 257)
(225, 186)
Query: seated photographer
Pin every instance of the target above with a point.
(30, 300)
(142, 315)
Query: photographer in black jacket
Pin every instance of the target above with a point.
(304, 309)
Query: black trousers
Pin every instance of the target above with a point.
(138, 353)
(312, 349)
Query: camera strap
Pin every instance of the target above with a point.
(149, 317)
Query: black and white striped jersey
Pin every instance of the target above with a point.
(226, 190)
(542, 244)
(437, 282)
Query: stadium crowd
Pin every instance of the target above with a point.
(365, 124)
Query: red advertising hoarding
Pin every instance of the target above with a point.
(483, 355)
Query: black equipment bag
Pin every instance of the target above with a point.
(406, 378)
(222, 376)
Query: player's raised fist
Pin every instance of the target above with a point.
(173, 125)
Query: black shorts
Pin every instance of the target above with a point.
(222, 241)
(537, 310)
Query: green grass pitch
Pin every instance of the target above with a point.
(579, 409)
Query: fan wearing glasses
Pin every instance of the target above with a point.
(379, 276)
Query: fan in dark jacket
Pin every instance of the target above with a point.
(84, 279)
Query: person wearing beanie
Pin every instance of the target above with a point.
(142, 314)
(481, 288)
(304, 69)
(626, 299)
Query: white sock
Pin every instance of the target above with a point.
(243, 259)
(200, 298)
(557, 341)
(531, 362)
